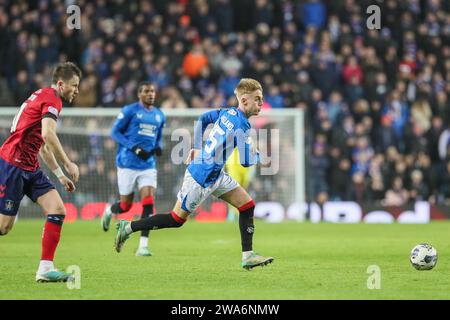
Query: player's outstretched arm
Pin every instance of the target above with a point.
(52, 164)
(248, 151)
(253, 156)
(54, 145)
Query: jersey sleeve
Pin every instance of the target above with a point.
(119, 127)
(159, 140)
(250, 157)
(202, 123)
(248, 153)
(51, 109)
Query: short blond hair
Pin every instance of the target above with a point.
(247, 85)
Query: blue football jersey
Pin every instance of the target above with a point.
(137, 126)
(231, 129)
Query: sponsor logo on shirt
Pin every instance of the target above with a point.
(147, 130)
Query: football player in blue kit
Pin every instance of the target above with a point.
(138, 132)
(205, 173)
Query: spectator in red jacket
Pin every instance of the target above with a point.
(352, 69)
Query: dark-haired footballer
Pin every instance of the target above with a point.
(138, 131)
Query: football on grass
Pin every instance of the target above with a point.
(423, 257)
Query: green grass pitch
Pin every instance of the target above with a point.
(202, 261)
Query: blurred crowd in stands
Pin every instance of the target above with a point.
(376, 101)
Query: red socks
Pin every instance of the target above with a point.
(247, 206)
(124, 206)
(148, 200)
(147, 205)
(178, 219)
(51, 236)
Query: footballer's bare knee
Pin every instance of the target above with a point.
(61, 210)
(57, 208)
(6, 224)
(5, 229)
(52, 203)
(237, 197)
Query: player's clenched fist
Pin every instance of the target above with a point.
(67, 183)
(141, 153)
(72, 170)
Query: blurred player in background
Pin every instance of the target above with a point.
(138, 130)
(205, 175)
(33, 131)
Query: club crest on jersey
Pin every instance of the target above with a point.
(139, 115)
(158, 118)
(53, 110)
(9, 205)
(232, 112)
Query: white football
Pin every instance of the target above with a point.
(423, 257)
